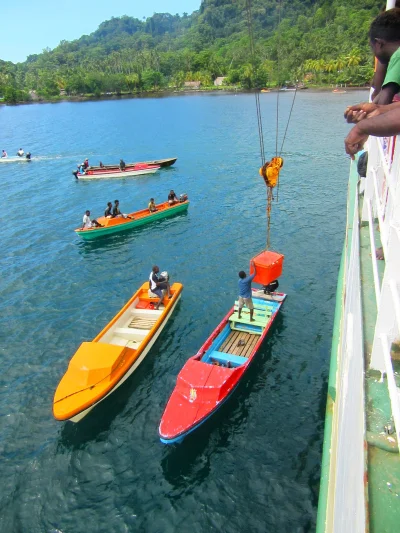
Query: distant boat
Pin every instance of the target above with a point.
(209, 378)
(15, 159)
(116, 172)
(265, 90)
(138, 218)
(288, 88)
(156, 162)
(339, 91)
(99, 367)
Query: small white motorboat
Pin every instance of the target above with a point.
(15, 159)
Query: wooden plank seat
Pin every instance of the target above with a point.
(227, 359)
(130, 333)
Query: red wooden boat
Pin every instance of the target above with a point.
(208, 378)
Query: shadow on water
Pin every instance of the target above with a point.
(100, 419)
(115, 240)
(188, 463)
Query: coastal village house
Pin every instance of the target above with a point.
(219, 81)
(192, 84)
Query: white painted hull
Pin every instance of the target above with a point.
(126, 174)
(15, 159)
(82, 414)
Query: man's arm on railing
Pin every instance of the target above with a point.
(383, 125)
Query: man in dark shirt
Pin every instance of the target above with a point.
(108, 211)
(245, 292)
(172, 198)
(117, 213)
(122, 164)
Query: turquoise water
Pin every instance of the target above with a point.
(255, 466)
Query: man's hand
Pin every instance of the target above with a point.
(355, 113)
(354, 141)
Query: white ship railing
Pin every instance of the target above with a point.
(381, 207)
(347, 510)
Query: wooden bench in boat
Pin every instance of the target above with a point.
(129, 333)
(227, 359)
(256, 327)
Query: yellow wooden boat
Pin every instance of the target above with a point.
(102, 365)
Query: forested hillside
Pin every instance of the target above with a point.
(316, 41)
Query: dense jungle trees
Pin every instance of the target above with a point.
(317, 41)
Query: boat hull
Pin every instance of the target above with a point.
(202, 388)
(15, 159)
(81, 415)
(124, 224)
(129, 173)
(156, 162)
(99, 367)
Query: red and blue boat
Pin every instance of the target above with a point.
(209, 378)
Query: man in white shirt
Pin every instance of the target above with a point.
(158, 285)
(20, 152)
(87, 223)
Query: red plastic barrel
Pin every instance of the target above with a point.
(269, 266)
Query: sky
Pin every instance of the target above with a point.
(28, 27)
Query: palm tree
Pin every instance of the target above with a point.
(354, 59)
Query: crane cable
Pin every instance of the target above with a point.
(277, 164)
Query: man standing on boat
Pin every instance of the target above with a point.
(158, 285)
(245, 292)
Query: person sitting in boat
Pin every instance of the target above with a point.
(122, 164)
(20, 152)
(158, 284)
(116, 211)
(81, 169)
(172, 198)
(86, 163)
(28, 156)
(4, 153)
(108, 213)
(245, 292)
(87, 223)
(101, 165)
(152, 206)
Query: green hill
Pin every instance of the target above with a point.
(317, 41)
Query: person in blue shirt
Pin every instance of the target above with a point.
(245, 292)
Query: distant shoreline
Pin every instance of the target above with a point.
(166, 93)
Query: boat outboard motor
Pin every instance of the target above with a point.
(164, 276)
(75, 173)
(183, 197)
(271, 287)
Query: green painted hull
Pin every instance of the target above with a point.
(158, 215)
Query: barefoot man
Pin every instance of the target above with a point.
(158, 285)
(245, 292)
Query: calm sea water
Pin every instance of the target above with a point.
(255, 466)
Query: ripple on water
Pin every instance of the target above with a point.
(255, 465)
